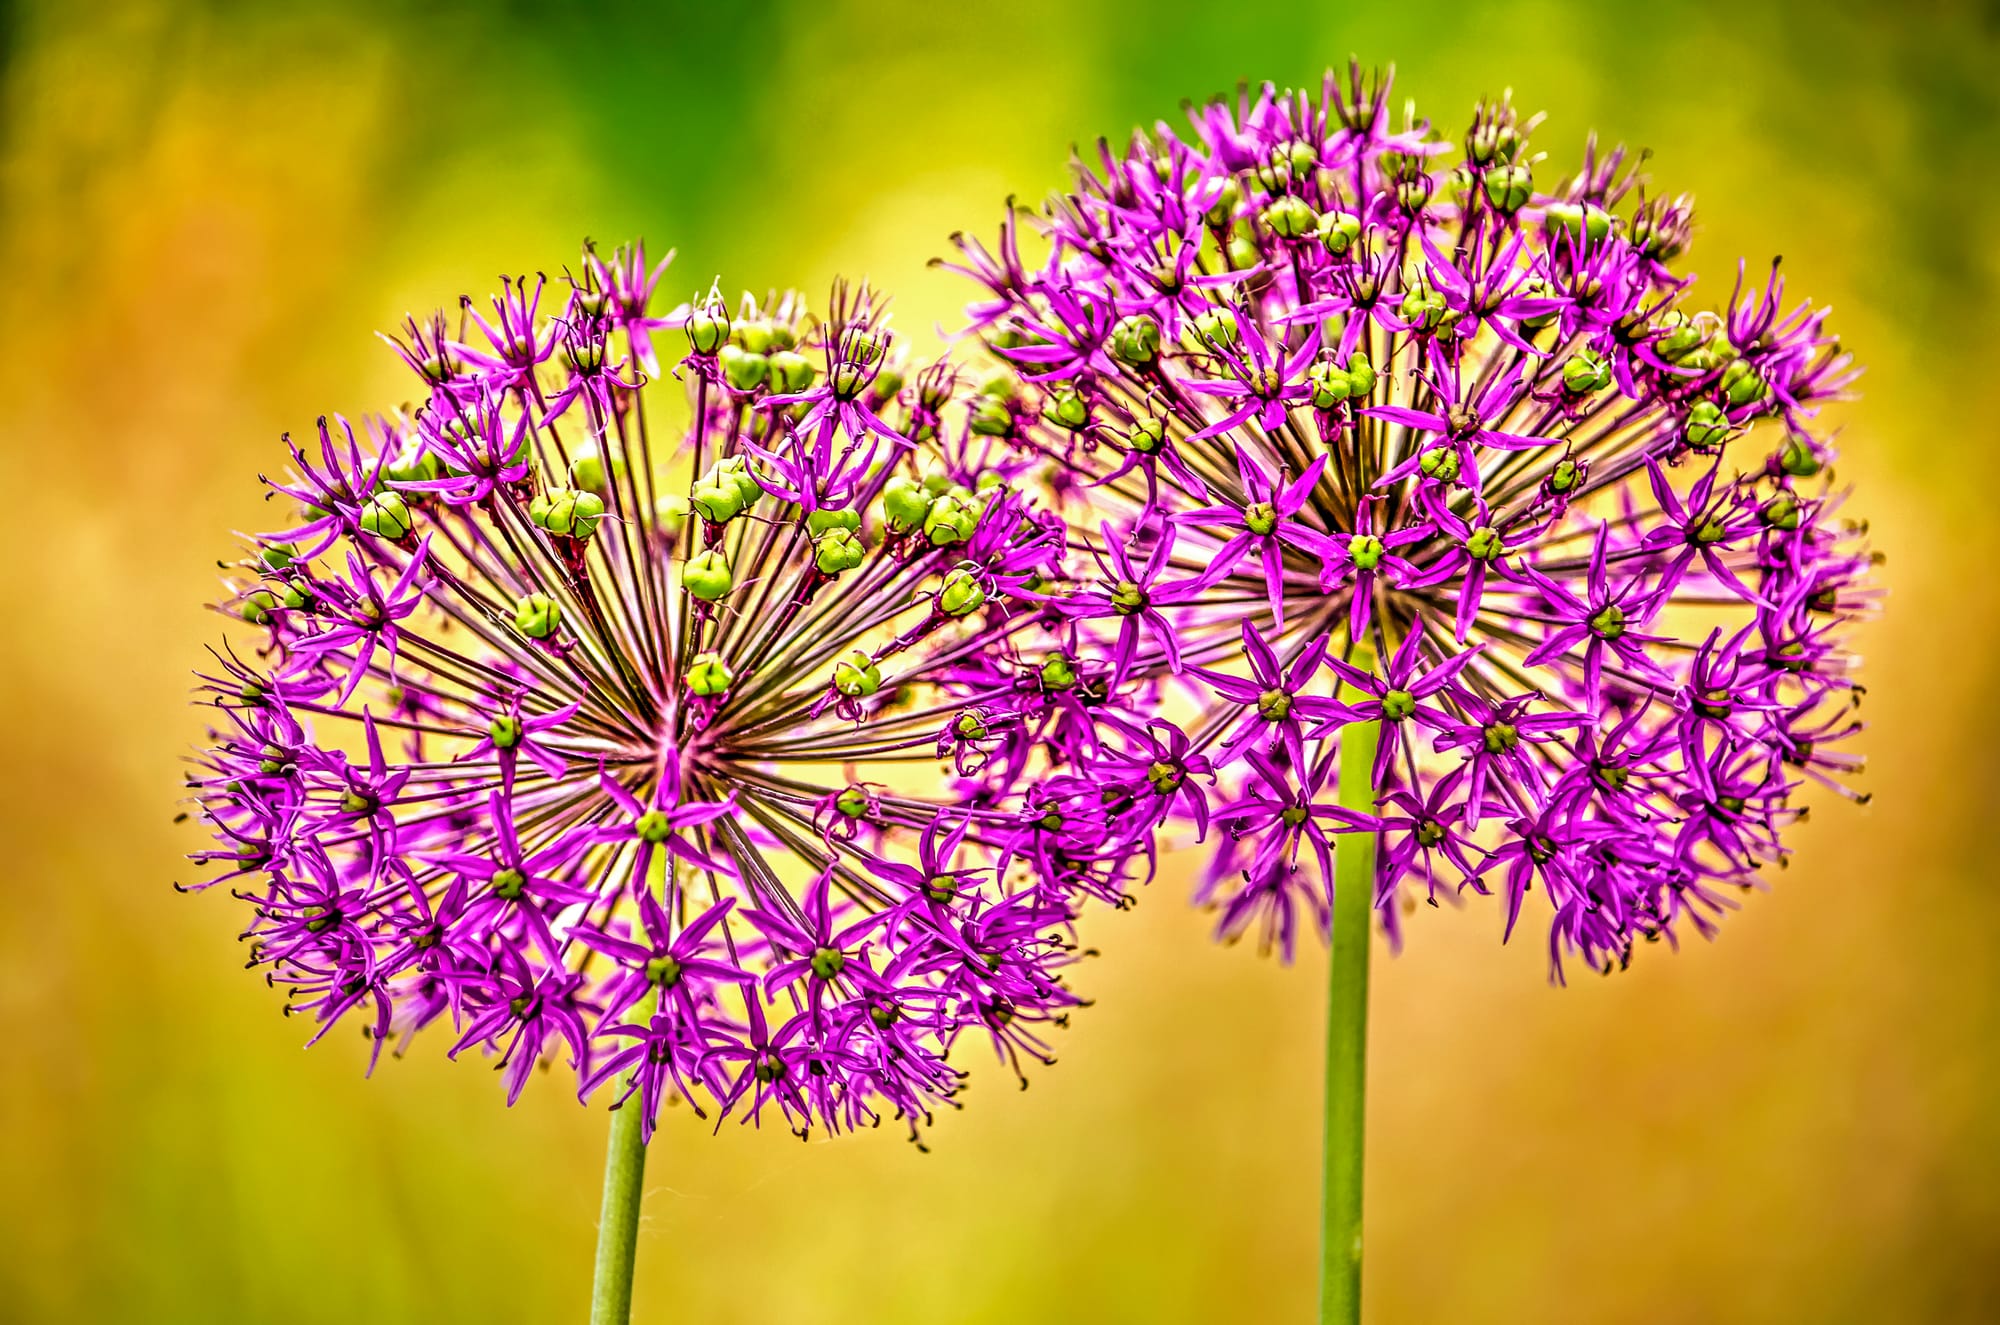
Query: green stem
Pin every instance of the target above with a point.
(1347, 1036)
(618, 1222)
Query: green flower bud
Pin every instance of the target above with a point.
(257, 606)
(969, 726)
(1291, 217)
(1484, 544)
(1066, 408)
(708, 675)
(1500, 737)
(1681, 338)
(1509, 188)
(538, 616)
(1260, 517)
(1135, 340)
(1423, 307)
(1398, 705)
(508, 883)
(567, 512)
(1242, 251)
(1057, 672)
(790, 372)
(852, 801)
(279, 556)
(1129, 598)
(1742, 383)
(1338, 231)
(587, 470)
(827, 963)
(1584, 373)
(952, 518)
(707, 575)
(296, 596)
(1274, 705)
(856, 675)
(1164, 777)
(653, 826)
(838, 550)
(505, 731)
(1707, 427)
(1565, 476)
(707, 330)
(743, 369)
(905, 503)
(1366, 551)
(387, 515)
(1609, 623)
(961, 593)
(1226, 202)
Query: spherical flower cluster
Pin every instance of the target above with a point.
(1353, 426)
(711, 769)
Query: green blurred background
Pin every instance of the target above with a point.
(208, 209)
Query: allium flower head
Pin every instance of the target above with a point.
(1356, 423)
(688, 734)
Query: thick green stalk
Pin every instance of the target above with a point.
(1347, 1036)
(618, 1221)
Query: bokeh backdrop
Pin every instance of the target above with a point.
(207, 209)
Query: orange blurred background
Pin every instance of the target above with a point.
(209, 208)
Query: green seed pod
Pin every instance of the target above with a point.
(567, 512)
(852, 801)
(413, 465)
(856, 675)
(1681, 338)
(505, 731)
(1508, 188)
(707, 575)
(1781, 512)
(1585, 373)
(707, 675)
(1360, 374)
(538, 616)
(587, 470)
(838, 550)
(1066, 408)
(742, 369)
(790, 372)
(257, 606)
(1578, 222)
(1290, 217)
(1366, 550)
(1215, 328)
(1441, 464)
(1148, 435)
(992, 418)
(1707, 427)
(961, 593)
(1798, 458)
(905, 504)
(1226, 202)
(670, 513)
(756, 336)
(818, 522)
(278, 556)
(1135, 340)
(1565, 476)
(707, 330)
(1338, 231)
(388, 516)
(1484, 544)
(952, 518)
(296, 596)
(1260, 517)
(717, 503)
(1423, 307)
(1242, 250)
(1057, 672)
(1743, 384)
(1329, 384)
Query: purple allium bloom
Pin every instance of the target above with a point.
(621, 749)
(1450, 448)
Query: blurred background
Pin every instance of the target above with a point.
(207, 209)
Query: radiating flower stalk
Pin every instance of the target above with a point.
(1447, 525)
(595, 728)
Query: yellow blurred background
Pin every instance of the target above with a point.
(209, 208)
